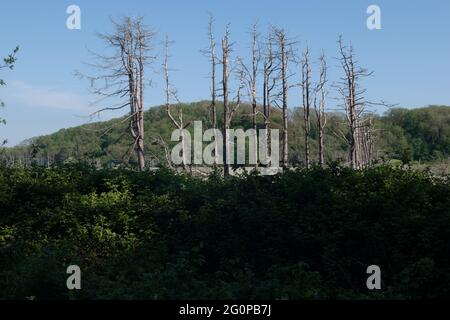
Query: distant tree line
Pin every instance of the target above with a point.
(408, 135)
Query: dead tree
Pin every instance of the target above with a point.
(358, 117)
(250, 77)
(270, 69)
(143, 46)
(229, 109)
(307, 101)
(354, 101)
(284, 73)
(171, 93)
(159, 141)
(256, 58)
(211, 54)
(319, 106)
(367, 142)
(226, 48)
(121, 79)
(284, 54)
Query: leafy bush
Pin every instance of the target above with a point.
(305, 234)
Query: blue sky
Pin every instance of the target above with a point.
(410, 55)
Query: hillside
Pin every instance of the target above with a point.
(410, 135)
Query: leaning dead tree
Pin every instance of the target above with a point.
(171, 93)
(319, 106)
(359, 120)
(307, 102)
(120, 82)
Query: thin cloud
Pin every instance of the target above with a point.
(26, 95)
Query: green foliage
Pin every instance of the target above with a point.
(8, 62)
(157, 235)
(417, 135)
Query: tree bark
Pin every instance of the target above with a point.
(320, 108)
(306, 94)
(283, 53)
(255, 62)
(226, 124)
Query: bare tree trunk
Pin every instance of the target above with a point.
(354, 102)
(321, 148)
(250, 75)
(320, 107)
(269, 83)
(285, 108)
(255, 63)
(306, 94)
(170, 92)
(226, 120)
(266, 111)
(283, 56)
(228, 110)
(141, 133)
(212, 54)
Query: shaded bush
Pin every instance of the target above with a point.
(306, 234)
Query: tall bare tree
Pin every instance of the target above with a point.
(284, 54)
(121, 79)
(171, 93)
(307, 101)
(358, 117)
(229, 109)
(226, 49)
(256, 59)
(270, 68)
(211, 54)
(250, 76)
(319, 106)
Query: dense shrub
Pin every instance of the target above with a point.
(307, 234)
